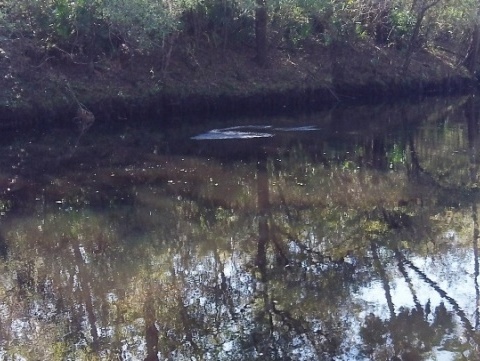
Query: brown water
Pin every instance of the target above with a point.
(343, 235)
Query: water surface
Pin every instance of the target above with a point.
(350, 234)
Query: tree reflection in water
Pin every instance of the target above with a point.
(358, 241)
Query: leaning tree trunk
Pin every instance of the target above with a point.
(416, 31)
(261, 20)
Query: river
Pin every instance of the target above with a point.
(348, 234)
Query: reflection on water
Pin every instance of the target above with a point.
(345, 235)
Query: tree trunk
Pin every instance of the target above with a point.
(413, 40)
(416, 30)
(261, 20)
(471, 59)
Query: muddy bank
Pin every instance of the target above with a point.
(49, 94)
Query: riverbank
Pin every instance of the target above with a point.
(210, 80)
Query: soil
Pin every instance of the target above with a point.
(46, 90)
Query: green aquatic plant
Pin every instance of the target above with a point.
(375, 227)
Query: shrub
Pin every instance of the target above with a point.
(144, 24)
(74, 26)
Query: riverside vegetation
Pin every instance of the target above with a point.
(149, 58)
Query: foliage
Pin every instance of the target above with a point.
(454, 21)
(402, 24)
(70, 24)
(144, 23)
(93, 29)
(218, 21)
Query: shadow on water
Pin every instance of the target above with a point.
(343, 235)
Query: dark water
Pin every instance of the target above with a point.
(344, 235)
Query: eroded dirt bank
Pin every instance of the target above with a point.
(212, 81)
